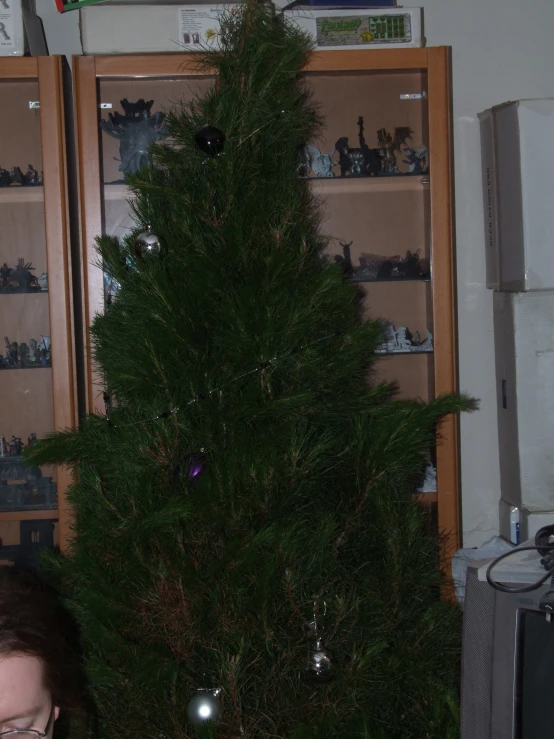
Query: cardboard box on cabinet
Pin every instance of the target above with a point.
(20, 30)
(524, 353)
(518, 182)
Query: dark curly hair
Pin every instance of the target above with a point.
(34, 623)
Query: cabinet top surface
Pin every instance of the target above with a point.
(180, 65)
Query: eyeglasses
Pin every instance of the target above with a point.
(29, 733)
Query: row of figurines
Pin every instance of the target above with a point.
(21, 278)
(402, 340)
(15, 447)
(363, 161)
(39, 495)
(378, 267)
(33, 354)
(15, 177)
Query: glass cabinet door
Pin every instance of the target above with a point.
(371, 169)
(132, 115)
(28, 495)
(119, 100)
(31, 405)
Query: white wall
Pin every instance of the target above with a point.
(501, 50)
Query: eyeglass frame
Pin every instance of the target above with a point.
(36, 732)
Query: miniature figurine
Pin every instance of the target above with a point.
(429, 484)
(33, 351)
(31, 176)
(372, 159)
(5, 273)
(31, 439)
(389, 145)
(16, 446)
(389, 343)
(427, 343)
(360, 161)
(43, 281)
(137, 131)
(44, 349)
(3, 446)
(417, 160)
(5, 179)
(23, 354)
(346, 260)
(12, 352)
(16, 177)
(320, 164)
(350, 159)
(403, 339)
(21, 278)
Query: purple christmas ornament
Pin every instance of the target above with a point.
(196, 466)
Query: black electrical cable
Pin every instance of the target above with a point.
(527, 588)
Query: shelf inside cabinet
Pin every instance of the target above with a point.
(51, 514)
(23, 292)
(117, 191)
(389, 280)
(29, 194)
(426, 498)
(349, 185)
(28, 367)
(322, 185)
(404, 352)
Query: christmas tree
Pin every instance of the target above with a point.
(243, 520)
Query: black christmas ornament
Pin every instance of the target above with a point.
(210, 140)
(321, 664)
(147, 243)
(204, 706)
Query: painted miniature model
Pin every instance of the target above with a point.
(391, 144)
(320, 165)
(401, 340)
(429, 484)
(416, 159)
(136, 131)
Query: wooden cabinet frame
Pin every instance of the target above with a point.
(48, 72)
(435, 62)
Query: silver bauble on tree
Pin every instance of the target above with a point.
(321, 664)
(204, 706)
(147, 244)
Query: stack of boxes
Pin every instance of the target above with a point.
(517, 141)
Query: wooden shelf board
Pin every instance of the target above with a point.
(24, 292)
(388, 280)
(394, 354)
(426, 498)
(22, 369)
(349, 185)
(51, 514)
(32, 194)
(322, 185)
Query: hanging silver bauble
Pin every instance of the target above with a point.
(147, 243)
(204, 706)
(321, 664)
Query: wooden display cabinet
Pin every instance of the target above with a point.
(37, 372)
(377, 215)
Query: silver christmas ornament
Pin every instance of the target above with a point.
(147, 243)
(204, 706)
(321, 664)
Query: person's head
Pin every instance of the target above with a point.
(39, 665)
